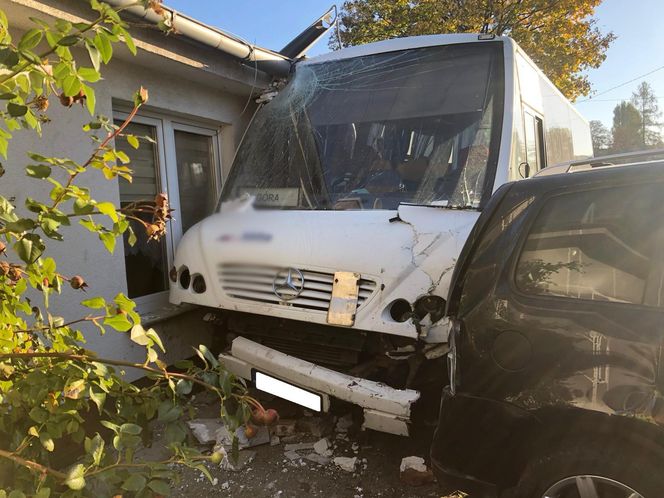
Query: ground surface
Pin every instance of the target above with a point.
(272, 474)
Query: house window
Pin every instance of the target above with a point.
(598, 245)
(183, 161)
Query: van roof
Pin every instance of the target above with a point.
(404, 44)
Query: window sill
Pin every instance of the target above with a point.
(155, 315)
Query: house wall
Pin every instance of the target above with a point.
(178, 85)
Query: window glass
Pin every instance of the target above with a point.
(146, 261)
(600, 245)
(371, 132)
(195, 177)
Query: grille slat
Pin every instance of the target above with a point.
(255, 284)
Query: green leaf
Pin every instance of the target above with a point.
(152, 334)
(69, 40)
(183, 386)
(30, 39)
(7, 96)
(89, 74)
(135, 482)
(90, 99)
(168, 412)
(133, 141)
(94, 303)
(109, 241)
(38, 171)
(43, 493)
(160, 487)
(108, 209)
(16, 110)
(104, 45)
(75, 477)
(129, 42)
(93, 52)
(71, 85)
(38, 414)
(98, 398)
(119, 322)
(47, 441)
(132, 429)
(29, 248)
(138, 335)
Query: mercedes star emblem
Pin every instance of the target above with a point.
(288, 284)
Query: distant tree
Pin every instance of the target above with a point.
(601, 137)
(560, 35)
(644, 99)
(627, 125)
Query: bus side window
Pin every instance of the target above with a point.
(535, 154)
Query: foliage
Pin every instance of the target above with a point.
(626, 128)
(645, 100)
(601, 137)
(69, 424)
(561, 36)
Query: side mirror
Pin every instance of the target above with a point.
(524, 170)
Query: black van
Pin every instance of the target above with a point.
(557, 361)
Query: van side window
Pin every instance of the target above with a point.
(534, 136)
(601, 245)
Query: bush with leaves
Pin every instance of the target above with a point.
(55, 394)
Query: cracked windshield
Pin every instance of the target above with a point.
(371, 132)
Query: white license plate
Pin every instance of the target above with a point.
(288, 391)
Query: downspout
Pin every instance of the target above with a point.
(270, 62)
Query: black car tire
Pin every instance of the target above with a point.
(638, 469)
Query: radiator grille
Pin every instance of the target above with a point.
(254, 283)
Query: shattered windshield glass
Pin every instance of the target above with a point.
(416, 126)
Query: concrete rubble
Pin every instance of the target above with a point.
(322, 447)
(244, 458)
(346, 463)
(414, 472)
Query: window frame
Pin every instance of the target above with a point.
(535, 210)
(167, 181)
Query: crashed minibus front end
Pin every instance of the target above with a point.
(350, 198)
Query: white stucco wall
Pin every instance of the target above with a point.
(186, 89)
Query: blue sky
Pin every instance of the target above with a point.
(638, 49)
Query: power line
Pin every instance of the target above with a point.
(623, 84)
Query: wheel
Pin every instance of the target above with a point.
(593, 471)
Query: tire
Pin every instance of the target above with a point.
(633, 468)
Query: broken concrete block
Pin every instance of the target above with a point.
(223, 437)
(284, 427)
(414, 472)
(346, 463)
(292, 455)
(275, 441)
(205, 429)
(244, 458)
(317, 458)
(315, 425)
(299, 446)
(322, 447)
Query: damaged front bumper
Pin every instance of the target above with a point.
(385, 409)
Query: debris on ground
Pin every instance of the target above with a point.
(245, 457)
(322, 447)
(414, 472)
(346, 463)
(299, 446)
(284, 427)
(205, 429)
(224, 438)
(275, 441)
